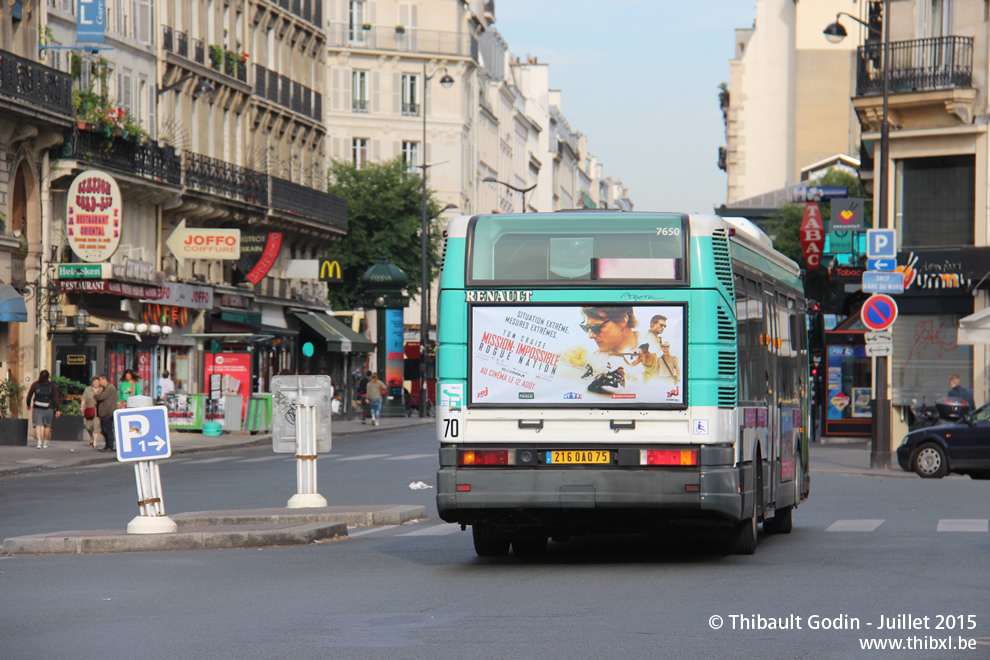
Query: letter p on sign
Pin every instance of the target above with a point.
(134, 427)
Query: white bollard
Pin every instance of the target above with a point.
(152, 519)
(306, 420)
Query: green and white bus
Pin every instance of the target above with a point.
(602, 372)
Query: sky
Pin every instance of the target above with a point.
(640, 79)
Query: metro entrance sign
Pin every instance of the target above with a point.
(879, 312)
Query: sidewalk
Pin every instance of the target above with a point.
(850, 458)
(20, 459)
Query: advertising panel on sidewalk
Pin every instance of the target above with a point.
(573, 356)
(394, 354)
(235, 374)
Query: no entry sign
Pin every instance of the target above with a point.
(879, 312)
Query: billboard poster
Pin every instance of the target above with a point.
(563, 356)
(235, 374)
(394, 354)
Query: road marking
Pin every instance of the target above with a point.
(855, 525)
(219, 459)
(409, 457)
(363, 457)
(361, 531)
(261, 459)
(435, 530)
(962, 525)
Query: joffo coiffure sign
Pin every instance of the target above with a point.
(93, 216)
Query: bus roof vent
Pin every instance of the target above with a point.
(746, 228)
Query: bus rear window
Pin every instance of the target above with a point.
(605, 248)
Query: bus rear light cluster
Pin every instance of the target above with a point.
(668, 457)
(483, 457)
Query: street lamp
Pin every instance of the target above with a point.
(880, 450)
(522, 191)
(424, 330)
(202, 88)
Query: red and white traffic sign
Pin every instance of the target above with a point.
(879, 312)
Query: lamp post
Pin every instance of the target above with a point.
(521, 191)
(424, 322)
(880, 447)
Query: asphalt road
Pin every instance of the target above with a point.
(863, 548)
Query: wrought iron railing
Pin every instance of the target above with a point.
(225, 179)
(287, 93)
(916, 65)
(166, 38)
(285, 89)
(410, 109)
(35, 83)
(414, 40)
(199, 51)
(318, 107)
(260, 79)
(309, 202)
(148, 160)
(359, 105)
(182, 44)
(296, 103)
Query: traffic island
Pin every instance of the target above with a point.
(220, 530)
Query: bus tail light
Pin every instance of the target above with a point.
(668, 457)
(483, 457)
(463, 488)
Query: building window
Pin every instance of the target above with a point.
(359, 91)
(359, 152)
(410, 156)
(935, 201)
(355, 23)
(410, 94)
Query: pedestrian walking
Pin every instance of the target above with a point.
(363, 396)
(956, 390)
(166, 386)
(376, 391)
(90, 421)
(106, 403)
(129, 387)
(42, 401)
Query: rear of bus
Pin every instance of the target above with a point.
(586, 376)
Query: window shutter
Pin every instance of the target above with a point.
(152, 126)
(396, 93)
(331, 11)
(118, 17)
(143, 22)
(372, 12)
(68, 5)
(375, 96)
(397, 149)
(127, 97)
(346, 87)
(404, 14)
(336, 95)
(335, 148)
(376, 151)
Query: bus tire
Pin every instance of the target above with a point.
(747, 531)
(781, 523)
(488, 546)
(529, 547)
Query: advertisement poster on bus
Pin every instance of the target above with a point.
(555, 356)
(235, 373)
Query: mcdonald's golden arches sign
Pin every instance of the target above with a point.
(330, 270)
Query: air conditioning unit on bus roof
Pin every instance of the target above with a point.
(750, 230)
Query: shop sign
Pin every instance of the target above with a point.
(812, 236)
(847, 214)
(330, 270)
(259, 250)
(85, 271)
(76, 359)
(93, 216)
(171, 315)
(204, 243)
(817, 193)
(140, 272)
(123, 289)
(233, 300)
(933, 272)
(186, 295)
(841, 274)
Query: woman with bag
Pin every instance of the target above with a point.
(42, 401)
(129, 387)
(90, 420)
(376, 390)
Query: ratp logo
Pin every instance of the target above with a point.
(572, 395)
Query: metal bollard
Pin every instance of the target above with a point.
(306, 492)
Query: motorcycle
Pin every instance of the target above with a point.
(945, 410)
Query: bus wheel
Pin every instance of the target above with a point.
(744, 542)
(781, 523)
(487, 546)
(529, 547)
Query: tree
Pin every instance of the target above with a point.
(384, 212)
(785, 231)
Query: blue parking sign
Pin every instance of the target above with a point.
(881, 243)
(142, 433)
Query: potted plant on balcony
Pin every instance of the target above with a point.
(13, 430)
(216, 56)
(70, 425)
(400, 29)
(366, 27)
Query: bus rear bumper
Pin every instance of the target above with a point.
(715, 492)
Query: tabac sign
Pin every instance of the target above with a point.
(93, 216)
(812, 236)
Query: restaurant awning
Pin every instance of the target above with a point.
(974, 329)
(13, 309)
(338, 336)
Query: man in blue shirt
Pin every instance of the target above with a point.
(959, 392)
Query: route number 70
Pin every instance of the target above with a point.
(451, 428)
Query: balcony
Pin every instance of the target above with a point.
(224, 179)
(931, 83)
(35, 85)
(410, 109)
(146, 160)
(359, 105)
(166, 38)
(298, 200)
(182, 44)
(199, 52)
(435, 42)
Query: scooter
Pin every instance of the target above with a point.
(946, 410)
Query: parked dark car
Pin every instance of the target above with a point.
(962, 447)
